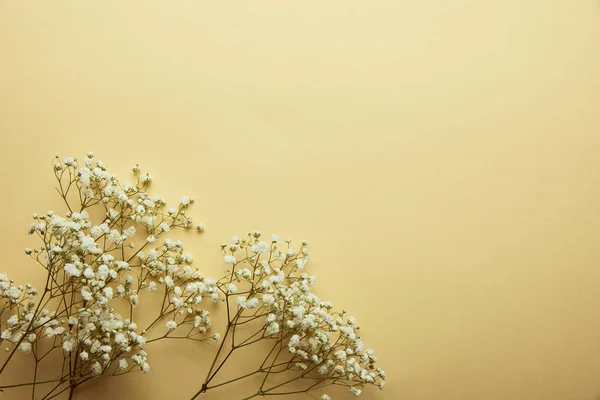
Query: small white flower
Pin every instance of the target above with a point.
(13, 320)
(268, 299)
(252, 303)
(84, 355)
(88, 273)
(72, 270)
(260, 247)
(96, 368)
(216, 337)
(185, 201)
(68, 346)
(108, 292)
(171, 324)
(119, 338)
(123, 364)
(146, 178)
(25, 347)
(152, 287)
(241, 300)
(165, 227)
(231, 288)
(275, 238)
(86, 294)
(229, 259)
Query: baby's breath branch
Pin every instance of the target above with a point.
(88, 270)
(311, 343)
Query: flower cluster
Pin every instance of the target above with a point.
(96, 268)
(269, 283)
(20, 303)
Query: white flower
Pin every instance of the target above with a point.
(146, 178)
(294, 341)
(165, 227)
(86, 294)
(268, 299)
(298, 311)
(120, 338)
(272, 328)
(185, 201)
(96, 368)
(68, 346)
(14, 292)
(252, 303)
(260, 247)
(84, 176)
(171, 324)
(275, 238)
(169, 281)
(151, 239)
(25, 347)
(231, 288)
(355, 391)
(229, 259)
(123, 364)
(103, 272)
(72, 270)
(216, 337)
(13, 320)
(177, 302)
(84, 355)
(241, 300)
(325, 397)
(200, 227)
(152, 287)
(88, 273)
(108, 292)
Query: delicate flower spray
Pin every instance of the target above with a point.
(95, 269)
(98, 274)
(310, 347)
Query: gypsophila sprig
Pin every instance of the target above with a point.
(98, 271)
(266, 287)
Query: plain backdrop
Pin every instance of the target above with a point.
(441, 157)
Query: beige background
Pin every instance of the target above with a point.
(441, 157)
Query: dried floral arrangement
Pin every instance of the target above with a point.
(112, 249)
